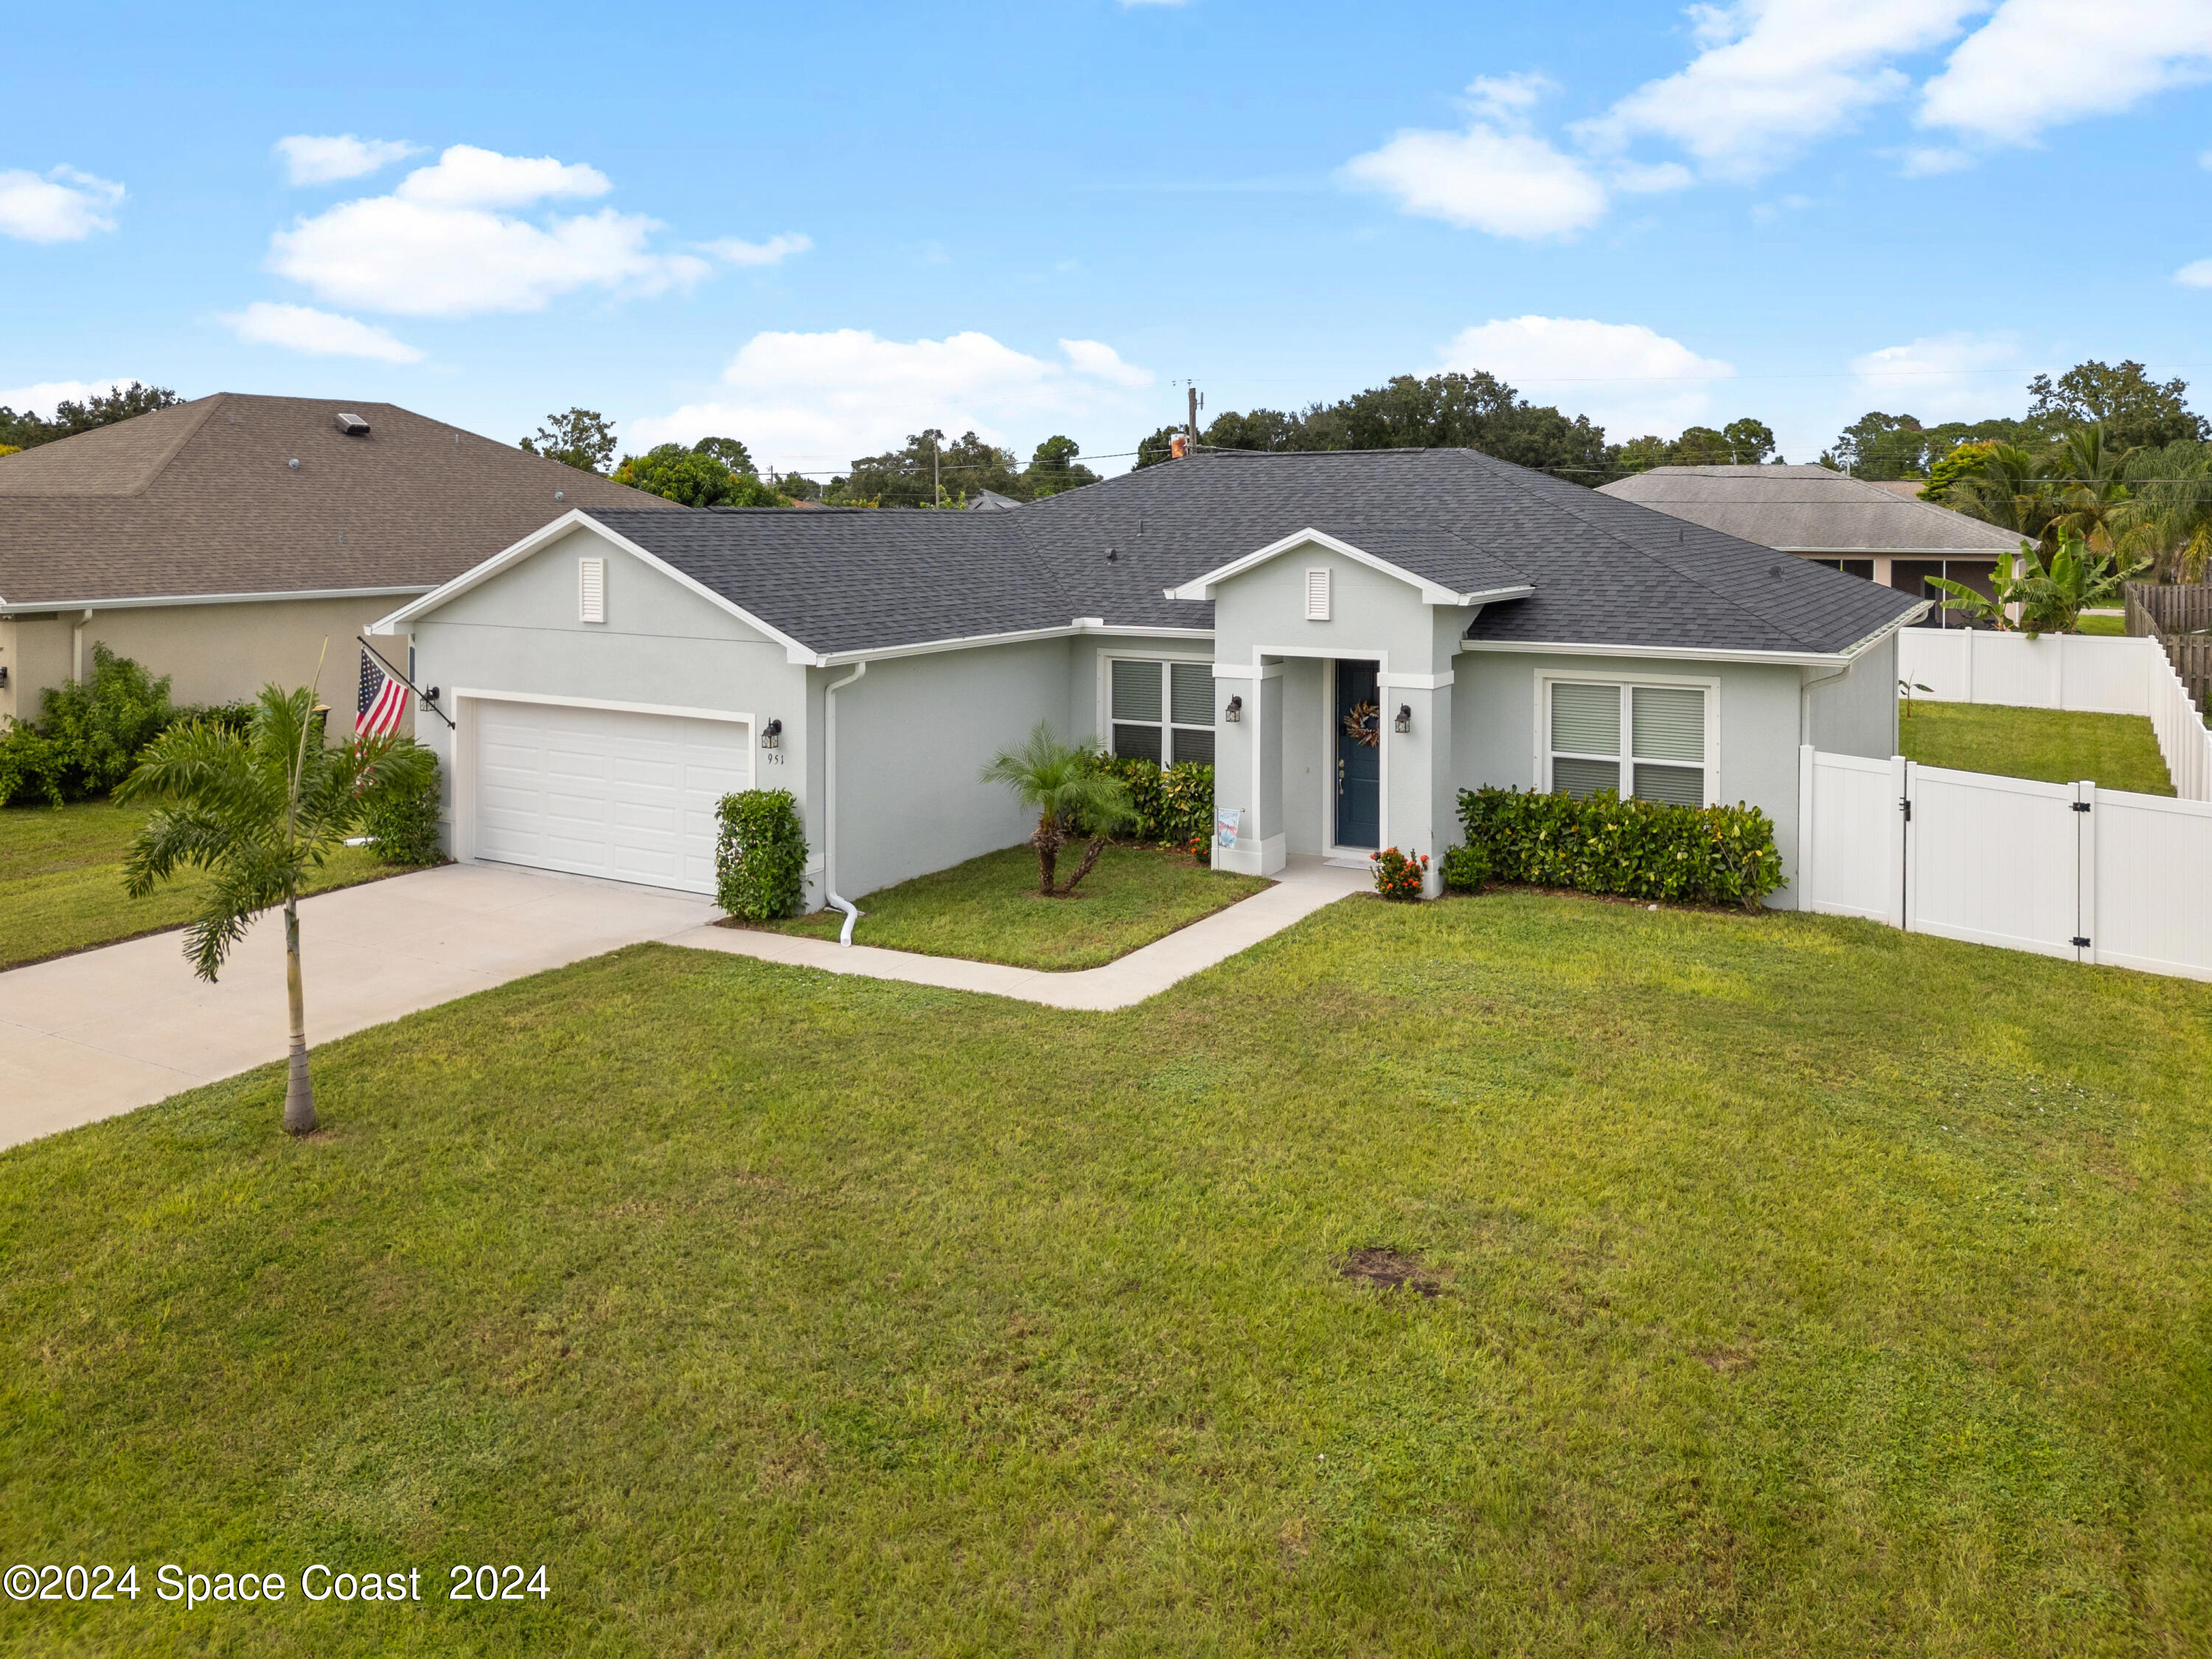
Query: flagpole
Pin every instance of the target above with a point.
(426, 702)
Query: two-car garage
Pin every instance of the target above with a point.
(625, 793)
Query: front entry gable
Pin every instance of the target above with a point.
(1442, 569)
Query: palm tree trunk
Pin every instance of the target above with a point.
(1090, 858)
(1047, 842)
(298, 1091)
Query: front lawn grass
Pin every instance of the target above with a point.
(989, 909)
(2092, 622)
(1801, 1288)
(61, 880)
(2114, 751)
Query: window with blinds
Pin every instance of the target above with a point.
(1162, 711)
(1648, 741)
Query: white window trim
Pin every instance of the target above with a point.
(1105, 722)
(1710, 686)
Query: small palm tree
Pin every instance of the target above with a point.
(2051, 597)
(1063, 786)
(258, 811)
(2169, 518)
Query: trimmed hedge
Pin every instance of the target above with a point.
(404, 829)
(1466, 867)
(760, 857)
(1642, 849)
(1175, 806)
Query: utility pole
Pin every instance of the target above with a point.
(936, 489)
(1192, 427)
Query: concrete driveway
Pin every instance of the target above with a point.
(86, 1037)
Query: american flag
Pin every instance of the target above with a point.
(382, 701)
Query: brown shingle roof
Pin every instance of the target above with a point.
(200, 499)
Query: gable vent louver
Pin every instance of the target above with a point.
(1317, 595)
(591, 589)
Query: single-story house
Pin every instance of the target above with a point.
(225, 541)
(1853, 525)
(1349, 638)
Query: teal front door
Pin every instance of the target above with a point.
(1359, 818)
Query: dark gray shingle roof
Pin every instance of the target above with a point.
(1604, 571)
(1810, 508)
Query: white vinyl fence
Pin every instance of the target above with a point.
(2090, 673)
(2064, 869)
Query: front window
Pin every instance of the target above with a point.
(1648, 741)
(1163, 711)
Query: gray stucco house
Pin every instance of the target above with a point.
(1350, 638)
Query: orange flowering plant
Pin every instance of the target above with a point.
(1399, 875)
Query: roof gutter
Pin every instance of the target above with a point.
(1695, 653)
(1080, 626)
(18, 607)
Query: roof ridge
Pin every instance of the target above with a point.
(1660, 559)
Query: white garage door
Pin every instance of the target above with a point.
(597, 792)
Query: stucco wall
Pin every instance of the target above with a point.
(211, 653)
(1497, 736)
(1856, 712)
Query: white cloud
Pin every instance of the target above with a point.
(318, 333)
(734, 250)
(1509, 97)
(816, 401)
(63, 206)
(2197, 273)
(1775, 73)
(1638, 179)
(1957, 376)
(435, 247)
(2039, 64)
(1625, 377)
(40, 399)
(312, 160)
(465, 176)
(1488, 178)
(1928, 160)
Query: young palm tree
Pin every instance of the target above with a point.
(1058, 782)
(2008, 489)
(258, 812)
(2091, 491)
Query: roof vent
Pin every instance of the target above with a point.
(294, 464)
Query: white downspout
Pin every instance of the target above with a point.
(76, 645)
(829, 800)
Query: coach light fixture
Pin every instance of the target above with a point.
(1405, 717)
(772, 735)
(1235, 713)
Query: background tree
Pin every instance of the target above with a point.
(1061, 784)
(1053, 467)
(257, 810)
(730, 451)
(581, 438)
(1878, 446)
(1751, 443)
(2134, 410)
(2089, 486)
(795, 486)
(2168, 517)
(1159, 446)
(2009, 488)
(677, 474)
(27, 431)
(904, 477)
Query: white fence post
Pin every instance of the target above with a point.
(1900, 843)
(1806, 841)
(2087, 932)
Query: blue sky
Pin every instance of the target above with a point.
(817, 228)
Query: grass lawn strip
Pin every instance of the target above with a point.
(989, 909)
(1777, 1286)
(61, 881)
(2114, 751)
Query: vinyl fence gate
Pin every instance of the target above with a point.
(2061, 869)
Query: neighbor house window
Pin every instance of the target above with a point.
(1643, 740)
(1163, 711)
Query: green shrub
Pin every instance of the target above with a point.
(402, 828)
(88, 734)
(1175, 806)
(1466, 867)
(760, 858)
(1642, 849)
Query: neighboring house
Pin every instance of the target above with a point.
(1350, 638)
(222, 542)
(1877, 531)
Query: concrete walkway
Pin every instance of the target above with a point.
(86, 1037)
(1302, 888)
